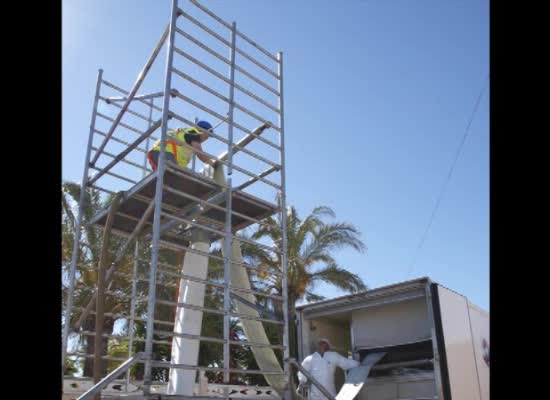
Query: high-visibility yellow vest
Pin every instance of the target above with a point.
(182, 154)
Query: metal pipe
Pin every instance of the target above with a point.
(261, 175)
(123, 154)
(164, 364)
(216, 340)
(133, 92)
(102, 189)
(140, 97)
(115, 139)
(118, 89)
(133, 164)
(189, 249)
(228, 26)
(220, 285)
(77, 227)
(228, 237)
(217, 207)
(130, 111)
(100, 293)
(217, 312)
(96, 389)
(130, 128)
(122, 178)
(136, 257)
(218, 75)
(158, 200)
(282, 199)
(257, 117)
(225, 60)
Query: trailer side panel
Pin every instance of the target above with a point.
(459, 347)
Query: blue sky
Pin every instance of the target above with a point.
(377, 97)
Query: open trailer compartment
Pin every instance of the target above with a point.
(423, 328)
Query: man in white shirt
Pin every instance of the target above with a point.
(322, 366)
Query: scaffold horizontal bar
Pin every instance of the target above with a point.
(102, 172)
(252, 180)
(218, 232)
(135, 113)
(217, 340)
(131, 128)
(136, 142)
(165, 364)
(222, 97)
(215, 257)
(126, 316)
(220, 285)
(223, 78)
(124, 160)
(217, 312)
(215, 114)
(101, 189)
(140, 97)
(238, 68)
(120, 90)
(133, 91)
(115, 139)
(136, 339)
(84, 355)
(218, 207)
(228, 26)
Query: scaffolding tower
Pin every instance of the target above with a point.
(154, 212)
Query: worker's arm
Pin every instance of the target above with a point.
(345, 363)
(306, 364)
(205, 159)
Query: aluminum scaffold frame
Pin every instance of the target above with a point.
(154, 212)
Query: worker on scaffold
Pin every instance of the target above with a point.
(177, 152)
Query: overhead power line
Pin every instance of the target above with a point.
(449, 175)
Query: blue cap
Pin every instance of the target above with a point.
(204, 125)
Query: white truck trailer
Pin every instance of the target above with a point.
(436, 341)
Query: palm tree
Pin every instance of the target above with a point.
(89, 248)
(311, 242)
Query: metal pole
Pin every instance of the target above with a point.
(100, 297)
(96, 389)
(282, 199)
(136, 262)
(77, 228)
(228, 238)
(132, 93)
(158, 202)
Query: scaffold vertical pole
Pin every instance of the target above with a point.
(151, 299)
(78, 226)
(282, 200)
(136, 258)
(228, 237)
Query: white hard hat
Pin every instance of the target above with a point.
(326, 341)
